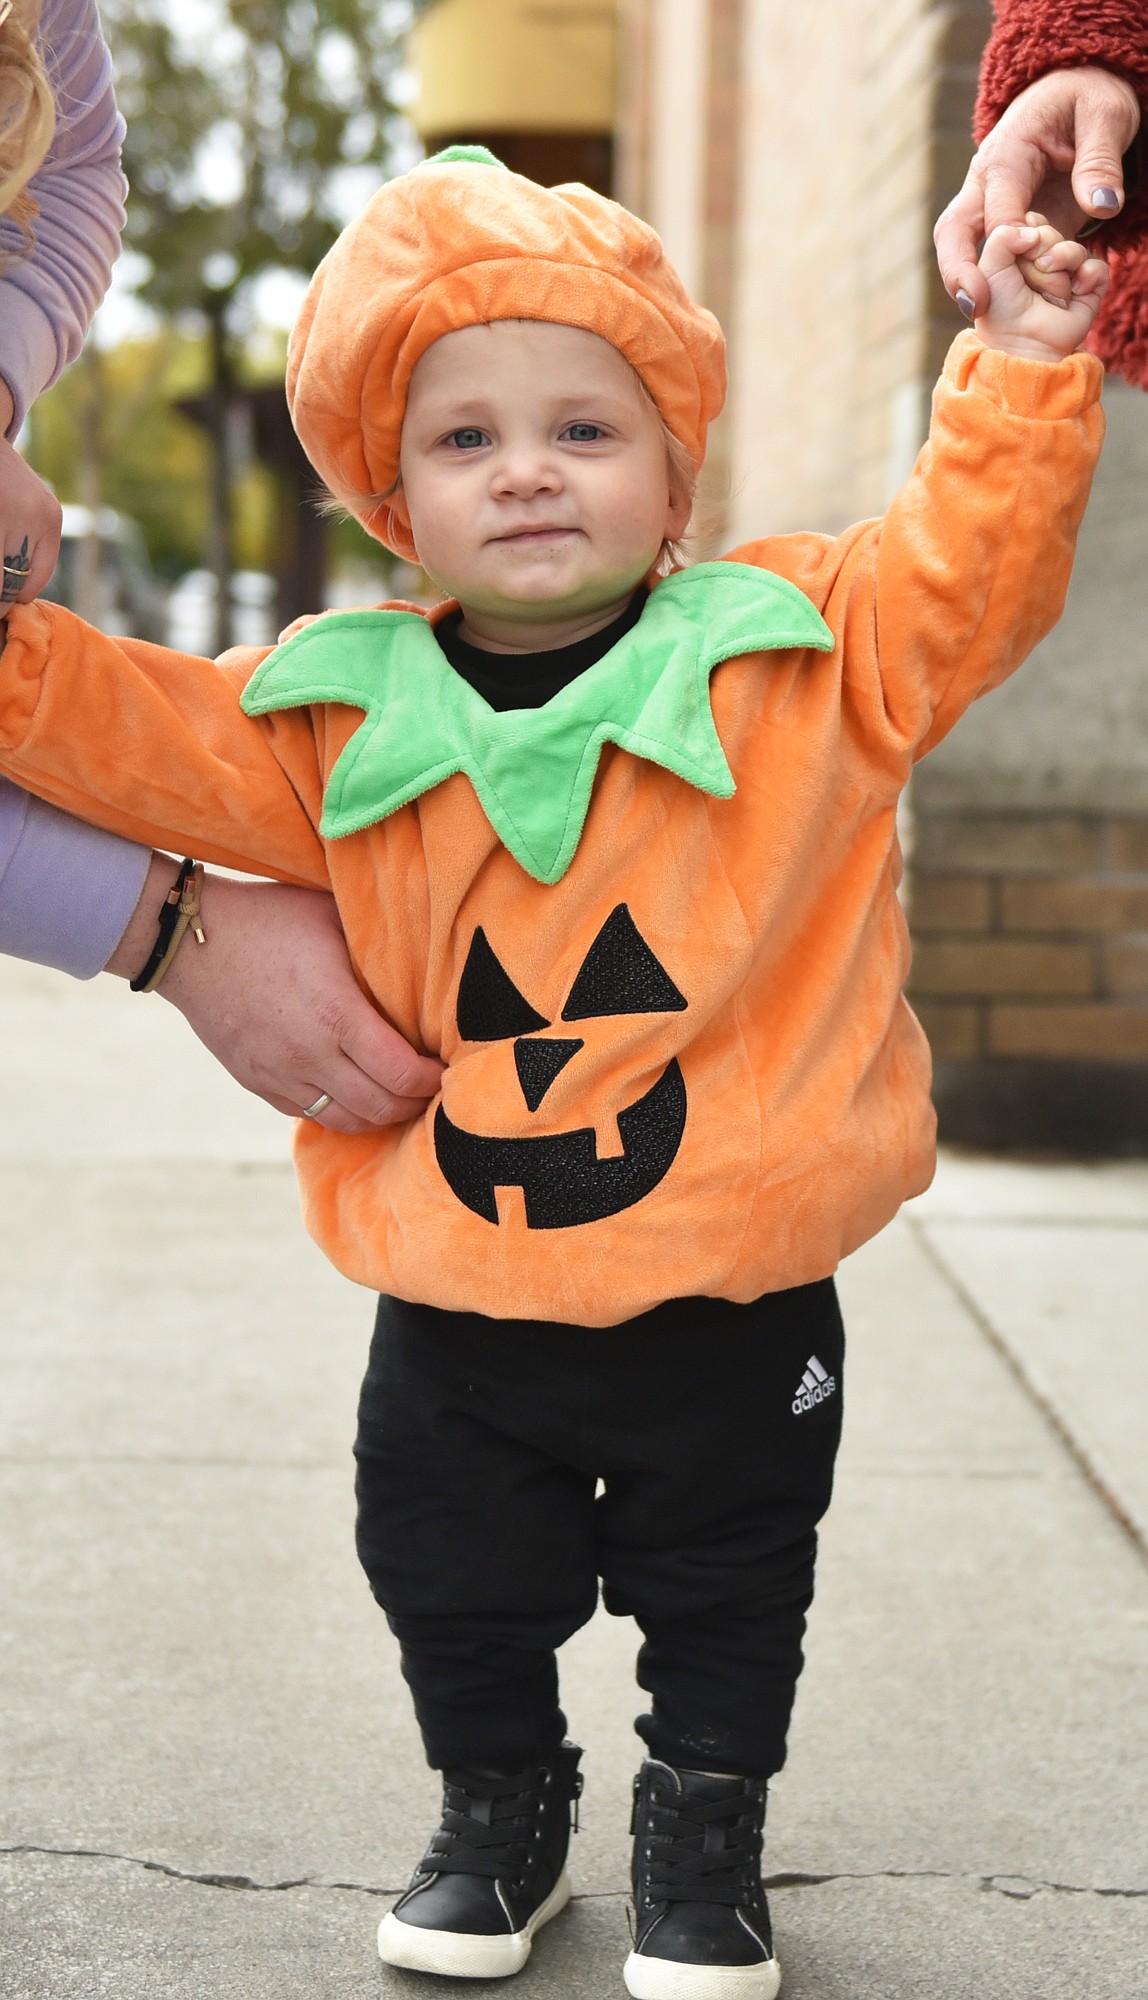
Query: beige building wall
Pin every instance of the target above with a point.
(846, 128)
(677, 142)
(805, 242)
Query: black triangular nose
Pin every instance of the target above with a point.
(538, 1063)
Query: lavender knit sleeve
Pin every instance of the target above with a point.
(48, 294)
(66, 891)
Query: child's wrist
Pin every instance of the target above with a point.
(1023, 346)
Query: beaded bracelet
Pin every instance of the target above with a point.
(179, 913)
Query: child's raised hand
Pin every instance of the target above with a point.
(1022, 319)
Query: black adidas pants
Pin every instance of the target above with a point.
(713, 1428)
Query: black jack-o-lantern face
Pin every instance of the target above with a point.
(561, 1177)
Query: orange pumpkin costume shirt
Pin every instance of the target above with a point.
(651, 928)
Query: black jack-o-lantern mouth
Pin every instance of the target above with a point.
(562, 1179)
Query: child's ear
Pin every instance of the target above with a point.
(401, 513)
(678, 510)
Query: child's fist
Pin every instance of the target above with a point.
(1044, 290)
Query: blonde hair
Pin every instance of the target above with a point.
(27, 108)
(683, 475)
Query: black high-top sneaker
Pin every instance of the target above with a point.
(701, 1919)
(494, 1873)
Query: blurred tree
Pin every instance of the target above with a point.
(248, 123)
(154, 463)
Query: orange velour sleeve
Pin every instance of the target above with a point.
(941, 599)
(975, 552)
(152, 744)
(947, 595)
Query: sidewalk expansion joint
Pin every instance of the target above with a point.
(205, 1880)
(1016, 1888)
(1042, 1401)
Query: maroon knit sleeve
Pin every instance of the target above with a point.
(1030, 38)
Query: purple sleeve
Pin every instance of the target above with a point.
(49, 294)
(66, 890)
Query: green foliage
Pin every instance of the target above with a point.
(154, 461)
(248, 121)
(244, 118)
(252, 127)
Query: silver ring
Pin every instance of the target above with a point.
(320, 1104)
(16, 570)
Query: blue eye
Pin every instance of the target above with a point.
(583, 433)
(468, 439)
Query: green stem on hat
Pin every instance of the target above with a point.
(474, 156)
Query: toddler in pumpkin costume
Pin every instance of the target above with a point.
(616, 840)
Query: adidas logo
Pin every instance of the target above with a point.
(816, 1387)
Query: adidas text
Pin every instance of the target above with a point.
(816, 1386)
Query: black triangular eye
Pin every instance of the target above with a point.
(538, 1063)
(620, 975)
(490, 1008)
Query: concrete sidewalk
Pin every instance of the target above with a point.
(212, 1782)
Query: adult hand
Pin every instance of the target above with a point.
(30, 516)
(272, 995)
(1058, 149)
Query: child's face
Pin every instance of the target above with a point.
(534, 471)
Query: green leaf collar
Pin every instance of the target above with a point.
(532, 768)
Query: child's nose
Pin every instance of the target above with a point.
(524, 473)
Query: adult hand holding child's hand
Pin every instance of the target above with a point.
(1058, 144)
(1021, 319)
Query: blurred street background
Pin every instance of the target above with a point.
(212, 1780)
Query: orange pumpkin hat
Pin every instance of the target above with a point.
(462, 241)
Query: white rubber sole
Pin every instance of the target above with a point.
(460, 1954)
(662, 1979)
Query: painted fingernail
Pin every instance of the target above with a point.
(966, 305)
(1106, 199)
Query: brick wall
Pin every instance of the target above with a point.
(1030, 975)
